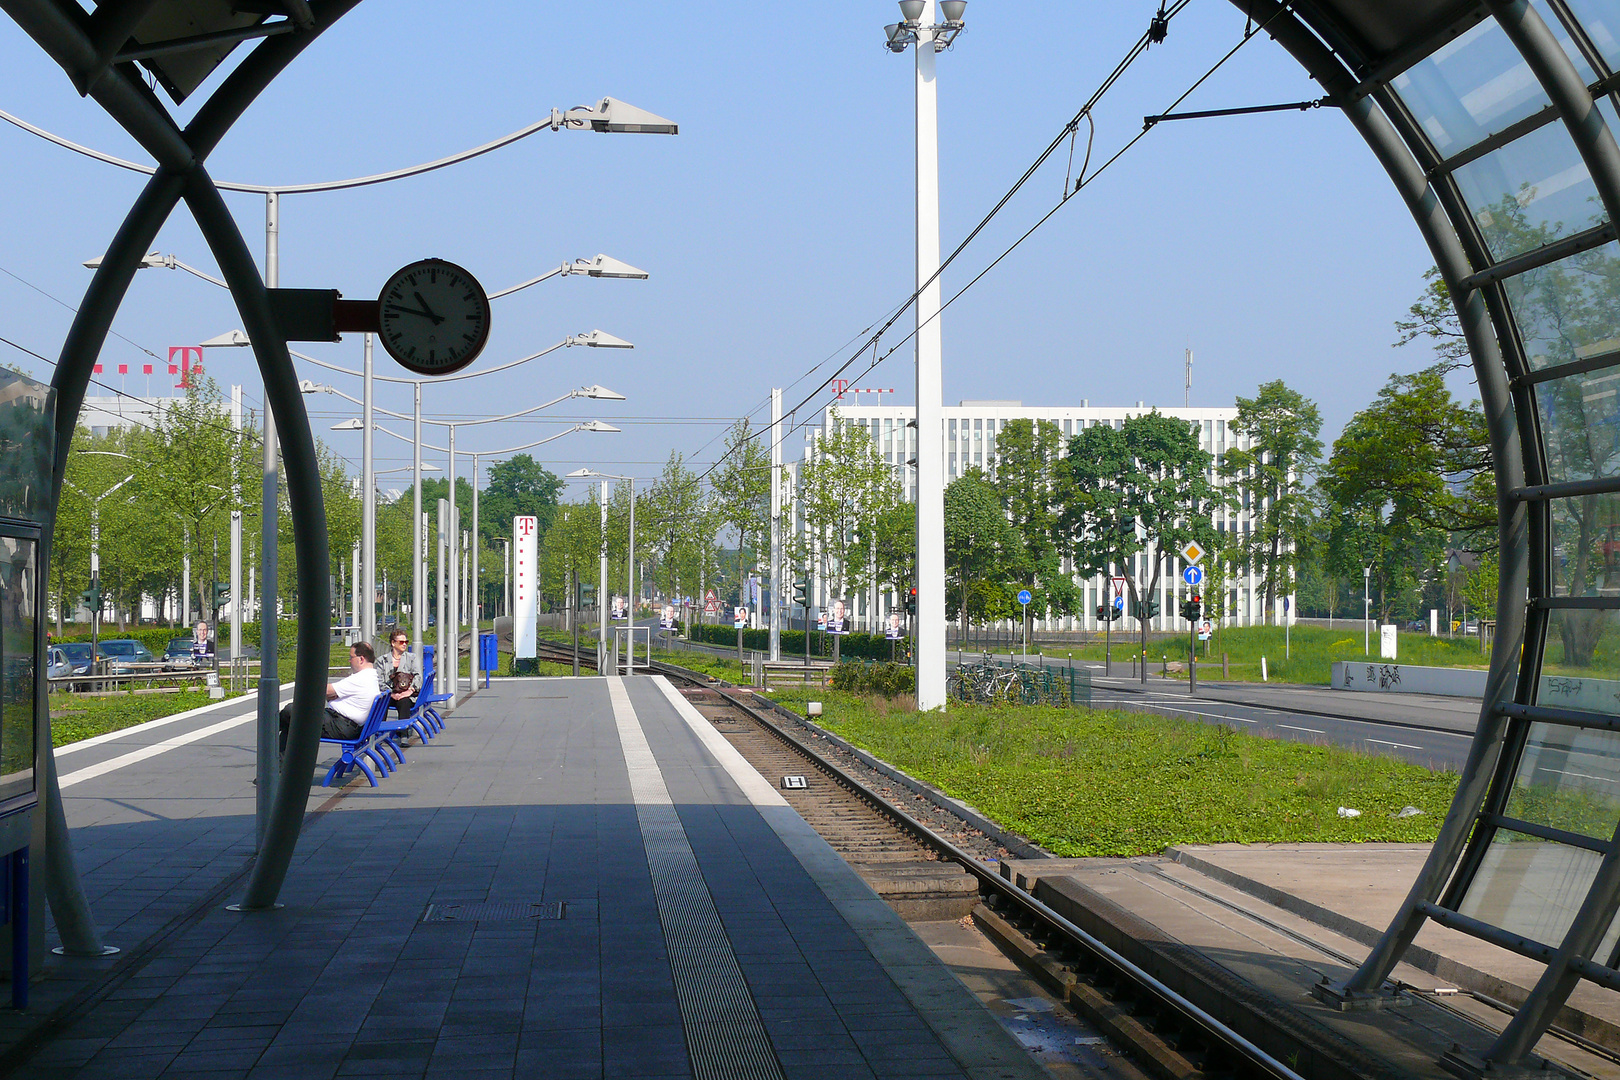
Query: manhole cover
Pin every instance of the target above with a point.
(494, 912)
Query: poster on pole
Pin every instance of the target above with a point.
(525, 590)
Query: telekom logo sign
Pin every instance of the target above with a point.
(181, 360)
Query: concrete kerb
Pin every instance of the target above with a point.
(173, 718)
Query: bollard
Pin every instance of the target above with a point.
(1263, 669)
(1225, 675)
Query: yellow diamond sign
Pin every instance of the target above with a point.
(1192, 552)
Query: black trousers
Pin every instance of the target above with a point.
(333, 726)
(405, 706)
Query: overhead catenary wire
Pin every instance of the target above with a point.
(1084, 180)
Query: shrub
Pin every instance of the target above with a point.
(855, 646)
(885, 680)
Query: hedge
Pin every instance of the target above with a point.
(888, 680)
(859, 646)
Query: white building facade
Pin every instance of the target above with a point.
(971, 429)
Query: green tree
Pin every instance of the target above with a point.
(742, 489)
(1032, 491)
(516, 487)
(678, 524)
(984, 552)
(1282, 426)
(1141, 491)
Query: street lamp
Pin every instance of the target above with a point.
(917, 27)
(601, 587)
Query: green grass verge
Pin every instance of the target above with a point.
(1091, 783)
(1308, 658)
(78, 716)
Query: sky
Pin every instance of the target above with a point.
(776, 228)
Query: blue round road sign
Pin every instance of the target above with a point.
(1192, 575)
(1024, 597)
(1119, 603)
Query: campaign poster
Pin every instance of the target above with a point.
(838, 622)
(821, 620)
(894, 631)
(739, 617)
(525, 594)
(667, 621)
(618, 608)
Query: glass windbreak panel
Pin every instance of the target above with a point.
(27, 439)
(1530, 887)
(1585, 562)
(1601, 21)
(1569, 310)
(1532, 191)
(18, 606)
(1580, 424)
(1569, 778)
(1469, 88)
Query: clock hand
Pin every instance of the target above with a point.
(437, 319)
(412, 311)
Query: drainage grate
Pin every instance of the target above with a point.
(494, 912)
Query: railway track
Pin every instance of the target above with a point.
(929, 862)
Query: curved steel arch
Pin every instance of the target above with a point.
(85, 45)
(1382, 64)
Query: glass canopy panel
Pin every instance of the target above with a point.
(1530, 887)
(1470, 87)
(1569, 310)
(1530, 192)
(1585, 562)
(1580, 426)
(1569, 778)
(1601, 21)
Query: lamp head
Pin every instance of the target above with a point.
(354, 423)
(952, 10)
(582, 474)
(610, 114)
(609, 267)
(234, 338)
(601, 393)
(912, 11)
(597, 425)
(596, 339)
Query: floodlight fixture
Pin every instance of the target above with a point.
(952, 10)
(610, 114)
(912, 11)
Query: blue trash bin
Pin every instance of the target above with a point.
(489, 657)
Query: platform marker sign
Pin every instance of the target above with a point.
(525, 593)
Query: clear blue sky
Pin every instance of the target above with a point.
(776, 226)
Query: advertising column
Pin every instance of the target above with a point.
(525, 585)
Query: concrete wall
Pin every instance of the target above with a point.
(1388, 678)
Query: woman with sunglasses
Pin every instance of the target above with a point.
(399, 674)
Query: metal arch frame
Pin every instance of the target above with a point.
(1508, 392)
(82, 44)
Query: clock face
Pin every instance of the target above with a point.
(434, 317)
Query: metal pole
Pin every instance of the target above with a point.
(1366, 611)
(472, 576)
(601, 592)
(630, 615)
(439, 580)
(236, 540)
(930, 390)
(366, 584)
(452, 667)
(776, 525)
(269, 697)
(418, 535)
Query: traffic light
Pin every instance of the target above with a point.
(222, 593)
(91, 597)
(1108, 612)
(1147, 610)
(1192, 610)
(911, 601)
(586, 597)
(801, 593)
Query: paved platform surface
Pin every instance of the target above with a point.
(705, 930)
(1279, 917)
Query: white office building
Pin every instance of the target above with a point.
(971, 429)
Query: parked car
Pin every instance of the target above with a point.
(70, 658)
(124, 651)
(177, 655)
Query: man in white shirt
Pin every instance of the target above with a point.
(348, 700)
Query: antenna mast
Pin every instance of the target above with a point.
(1187, 399)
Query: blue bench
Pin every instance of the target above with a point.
(425, 717)
(355, 751)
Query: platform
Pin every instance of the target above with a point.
(578, 878)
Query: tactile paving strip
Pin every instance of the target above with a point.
(725, 1037)
(499, 911)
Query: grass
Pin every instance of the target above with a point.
(78, 716)
(1081, 782)
(1309, 658)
